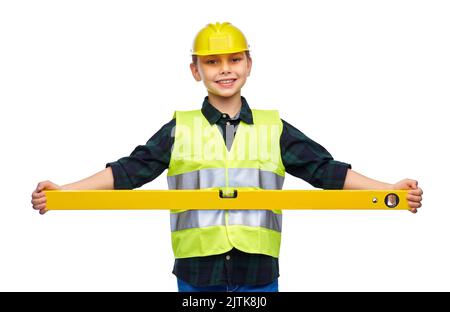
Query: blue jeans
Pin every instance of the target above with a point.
(185, 287)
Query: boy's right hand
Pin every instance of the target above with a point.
(38, 196)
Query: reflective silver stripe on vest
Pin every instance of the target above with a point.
(215, 177)
(251, 177)
(196, 219)
(204, 178)
(261, 218)
(203, 218)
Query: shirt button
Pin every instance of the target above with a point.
(224, 116)
(228, 257)
(228, 123)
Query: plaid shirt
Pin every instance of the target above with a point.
(301, 156)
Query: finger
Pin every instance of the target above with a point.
(414, 198)
(37, 195)
(413, 210)
(43, 211)
(39, 187)
(412, 184)
(38, 201)
(414, 204)
(39, 207)
(42, 185)
(416, 192)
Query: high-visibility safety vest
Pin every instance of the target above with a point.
(200, 160)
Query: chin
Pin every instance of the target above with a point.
(226, 94)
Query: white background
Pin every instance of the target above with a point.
(84, 82)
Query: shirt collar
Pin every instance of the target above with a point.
(213, 115)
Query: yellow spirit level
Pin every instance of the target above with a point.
(214, 199)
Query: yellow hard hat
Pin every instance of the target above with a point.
(219, 38)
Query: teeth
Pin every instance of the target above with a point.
(226, 81)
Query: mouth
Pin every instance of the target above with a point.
(226, 83)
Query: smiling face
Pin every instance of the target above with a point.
(224, 74)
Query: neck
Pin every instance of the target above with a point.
(228, 105)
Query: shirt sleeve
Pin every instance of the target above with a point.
(308, 160)
(146, 162)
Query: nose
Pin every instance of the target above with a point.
(225, 68)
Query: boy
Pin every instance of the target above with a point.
(231, 250)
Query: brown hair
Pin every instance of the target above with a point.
(195, 57)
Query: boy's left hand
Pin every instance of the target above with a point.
(414, 196)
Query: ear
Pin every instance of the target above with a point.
(249, 65)
(195, 73)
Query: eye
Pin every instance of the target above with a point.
(211, 61)
(236, 59)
